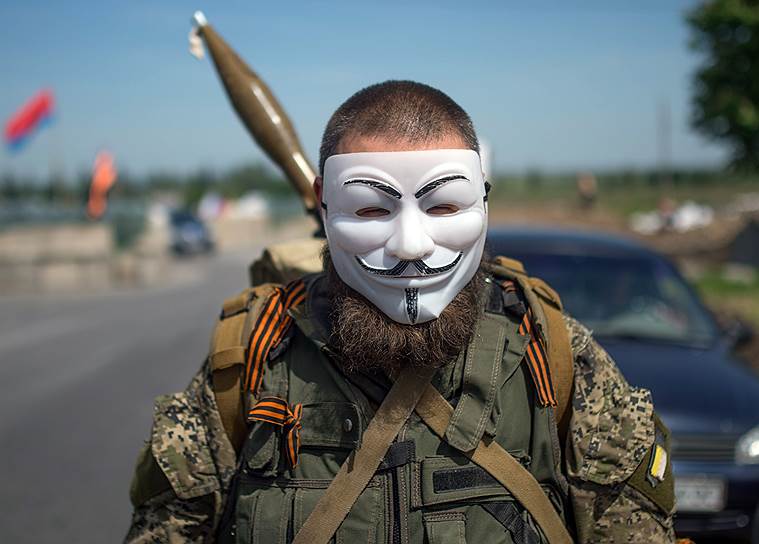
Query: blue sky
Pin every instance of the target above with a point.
(554, 86)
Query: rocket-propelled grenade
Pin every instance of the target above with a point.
(261, 113)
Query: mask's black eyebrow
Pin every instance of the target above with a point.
(437, 183)
(384, 187)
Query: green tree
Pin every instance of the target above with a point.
(197, 185)
(726, 94)
(10, 191)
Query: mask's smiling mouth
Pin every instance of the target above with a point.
(397, 271)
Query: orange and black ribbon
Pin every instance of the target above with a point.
(276, 411)
(537, 361)
(270, 328)
(535, 355)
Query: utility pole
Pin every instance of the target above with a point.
(664, 142)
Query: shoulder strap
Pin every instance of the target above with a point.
(359, 468)
(227, 356)
(250, 325)
(436, 412)
(546, 304)
(560, 360)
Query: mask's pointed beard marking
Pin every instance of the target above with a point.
(369, 340)
(412, 304)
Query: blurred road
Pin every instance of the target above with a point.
(77, 379)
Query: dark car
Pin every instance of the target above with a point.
(189, 235)
(663, 338)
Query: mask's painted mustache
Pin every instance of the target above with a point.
(399, 268)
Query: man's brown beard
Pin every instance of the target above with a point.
(367, 339)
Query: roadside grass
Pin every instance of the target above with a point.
(741, 298)
(731, 300)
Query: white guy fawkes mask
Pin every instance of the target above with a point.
(406, 229)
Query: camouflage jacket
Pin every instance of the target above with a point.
(184, 472)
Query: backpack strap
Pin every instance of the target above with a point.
(251, 324)
(546, 311)
(560, 360)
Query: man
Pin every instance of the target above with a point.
(405, 292)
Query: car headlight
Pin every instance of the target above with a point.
(747, 448)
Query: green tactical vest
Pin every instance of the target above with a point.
(425, 490)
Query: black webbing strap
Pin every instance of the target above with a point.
(399, 454)
(513, 305)
(508, 515)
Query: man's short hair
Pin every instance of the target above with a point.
(399, 111)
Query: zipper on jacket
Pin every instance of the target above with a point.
(395, 533)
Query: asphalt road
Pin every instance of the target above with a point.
(77, 378)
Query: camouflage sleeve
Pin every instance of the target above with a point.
(617, 460)
(183, 471)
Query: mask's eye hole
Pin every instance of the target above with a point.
(372, 211)
(443, 209)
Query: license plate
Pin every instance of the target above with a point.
(700, 494)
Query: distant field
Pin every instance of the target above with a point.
(742, 298)
(735, 299)
(622, 195)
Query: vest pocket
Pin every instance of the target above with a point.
(445, 527)
(331, 424)
(333, 429)
(261, 449)
(243, 524)
(363, 523)
(456, 492)
(444, 480)
(263, 517)
(274, 511)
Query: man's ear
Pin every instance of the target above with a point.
(318, 187)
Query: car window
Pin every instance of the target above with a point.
(624, 296)
(179, 218)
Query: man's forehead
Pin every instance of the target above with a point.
(377, 144)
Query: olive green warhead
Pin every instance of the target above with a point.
(261, 113)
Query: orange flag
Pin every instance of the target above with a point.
(103, 177)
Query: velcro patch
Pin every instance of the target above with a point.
(461, 478)
(653, 477)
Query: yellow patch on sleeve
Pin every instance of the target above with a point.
(653, 477)
(658, 465)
